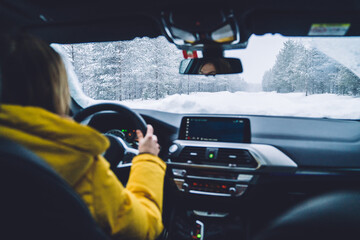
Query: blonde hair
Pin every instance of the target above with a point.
(33, 74)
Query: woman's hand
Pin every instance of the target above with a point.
(149, 143)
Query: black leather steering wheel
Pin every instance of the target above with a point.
(120, 153)
(116, 107)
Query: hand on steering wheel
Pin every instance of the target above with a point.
(120, 153)
(149, 143)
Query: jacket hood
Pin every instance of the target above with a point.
(70, 148)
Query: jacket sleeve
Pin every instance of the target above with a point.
(134, 212)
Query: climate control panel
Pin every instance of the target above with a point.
(215, 188)
(223, 169)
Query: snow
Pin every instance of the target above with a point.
(239, 103)
(344, 50)
(259, 56)
(257, 103)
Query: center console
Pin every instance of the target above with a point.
(214, 158)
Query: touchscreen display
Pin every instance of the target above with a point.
(215, 129)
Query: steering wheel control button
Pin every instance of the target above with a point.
(179, 172)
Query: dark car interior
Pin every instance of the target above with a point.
(39, 213)
(265, 177)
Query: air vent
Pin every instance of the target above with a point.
(238, 157)
(194, 154)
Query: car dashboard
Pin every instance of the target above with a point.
(219, 188)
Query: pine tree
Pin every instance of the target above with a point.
(298, 69)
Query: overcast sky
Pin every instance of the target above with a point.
(259, 56)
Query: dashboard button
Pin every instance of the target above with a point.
(245, 177)
(173, 148)
(211, 153)
(185, 187)
(179, 172)
(179, 183)
(232, 191)
(240, 189)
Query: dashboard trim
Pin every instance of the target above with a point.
(268, 157)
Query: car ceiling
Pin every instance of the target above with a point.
(74, 21)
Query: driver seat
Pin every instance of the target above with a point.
(36, 203)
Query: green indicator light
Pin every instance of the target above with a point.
(211, 155)
(122, 130)
(199, 236)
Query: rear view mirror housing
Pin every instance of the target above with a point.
(210, 66)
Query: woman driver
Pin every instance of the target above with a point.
(34, 113)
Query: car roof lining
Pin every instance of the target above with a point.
(107, 20)
(107, 30)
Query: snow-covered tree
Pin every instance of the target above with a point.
(142, 68)
(301, 69)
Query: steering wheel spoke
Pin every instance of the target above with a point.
(128, 152)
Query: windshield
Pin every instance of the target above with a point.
(307, 77)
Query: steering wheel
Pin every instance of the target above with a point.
(120, 152)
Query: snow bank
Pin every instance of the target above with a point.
(257, 103)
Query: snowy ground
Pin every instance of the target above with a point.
(258, 103)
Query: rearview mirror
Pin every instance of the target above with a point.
(210, 66)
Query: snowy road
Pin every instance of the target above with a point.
(257, 103)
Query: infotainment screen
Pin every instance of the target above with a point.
(215, 129)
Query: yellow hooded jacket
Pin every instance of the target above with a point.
(73, 150)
